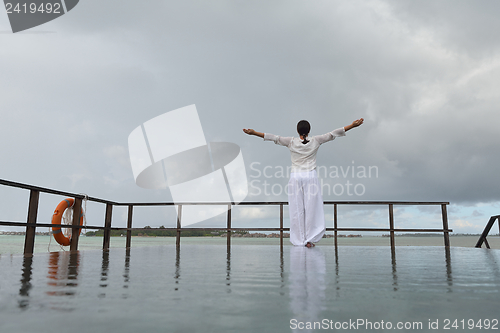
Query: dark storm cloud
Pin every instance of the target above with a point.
(422, 74)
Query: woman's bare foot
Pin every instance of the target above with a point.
(309, 244)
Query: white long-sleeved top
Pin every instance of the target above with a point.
(304, 155)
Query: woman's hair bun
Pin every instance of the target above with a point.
(303, 128)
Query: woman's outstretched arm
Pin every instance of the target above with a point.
(279, 140)
(253, 132)
(355, 123)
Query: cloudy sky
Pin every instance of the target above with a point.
(424, 75)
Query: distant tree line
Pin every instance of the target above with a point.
(162, 232)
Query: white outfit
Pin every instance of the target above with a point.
(305, 202)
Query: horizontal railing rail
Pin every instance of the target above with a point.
(52, 191)
(31, 224)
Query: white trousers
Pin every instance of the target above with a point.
(305, 204)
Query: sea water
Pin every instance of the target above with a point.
(11, 244)
(208, 287)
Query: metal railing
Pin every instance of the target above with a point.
(31, 224)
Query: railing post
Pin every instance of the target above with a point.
(29, 240)
(486, 231)
(335, 223)
(487, 244)
(228, 234)
(445, 225)
(179, 216)
(281, 225)
(75, 233)
(107, 226)
(391, 224)
(129, 226)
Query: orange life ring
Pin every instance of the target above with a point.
(57, 217)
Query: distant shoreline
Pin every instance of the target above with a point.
(261, 235)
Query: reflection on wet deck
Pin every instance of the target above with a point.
(200, 288)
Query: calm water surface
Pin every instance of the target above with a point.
(43, 244)
(250, 288)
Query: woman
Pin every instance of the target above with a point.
(305, 202)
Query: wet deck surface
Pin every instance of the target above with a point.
(203, 288)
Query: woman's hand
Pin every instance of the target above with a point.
(355, 123)
(250, 131)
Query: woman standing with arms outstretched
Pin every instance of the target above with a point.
(305, 202)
